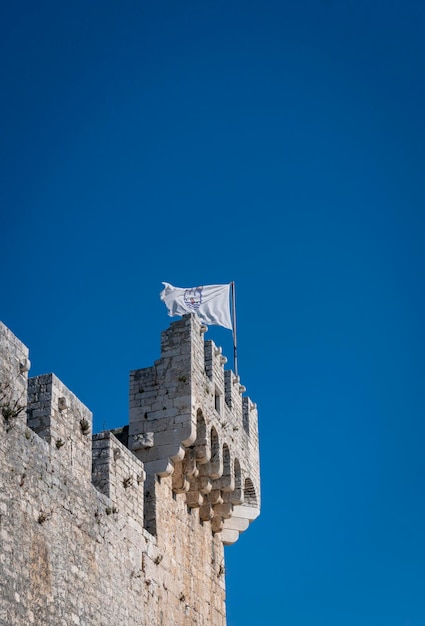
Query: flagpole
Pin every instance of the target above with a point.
(235, 356)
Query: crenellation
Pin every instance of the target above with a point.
(214, 364)
(125, 526)
(118, 474)
(246, 410)
(233, 392)
(61, 419)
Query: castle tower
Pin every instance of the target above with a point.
(125, 527)
(188, 420)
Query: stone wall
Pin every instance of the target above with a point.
(127, 527)
(188, 419)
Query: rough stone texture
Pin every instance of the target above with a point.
(127, 527)
(188, 419)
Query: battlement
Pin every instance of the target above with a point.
(188, 419)
(142, 511)
(62, 420)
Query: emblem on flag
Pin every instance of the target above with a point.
(193, 297)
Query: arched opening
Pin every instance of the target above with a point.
(237, 495)
(201, 428)
(227, 480)
(201, 445)
(250, 497)
(216, 466)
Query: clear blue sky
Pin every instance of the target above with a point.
(279, 144)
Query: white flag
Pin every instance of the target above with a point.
(209, 302)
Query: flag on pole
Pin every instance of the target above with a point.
(209, 302)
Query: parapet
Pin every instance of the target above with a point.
(118, 475)
(62, 420)
(189, 420)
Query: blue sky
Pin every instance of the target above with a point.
(280, 145)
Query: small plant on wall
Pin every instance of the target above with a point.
(85, 426)
(10, 408)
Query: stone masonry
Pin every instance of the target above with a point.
(125, 527)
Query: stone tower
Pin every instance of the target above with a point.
(124, 527)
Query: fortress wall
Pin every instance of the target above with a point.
(65, 557)
(73, 546)
(190, 577)
(71, 555)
